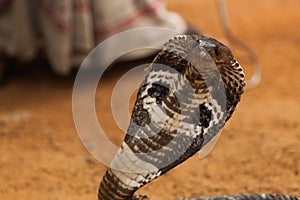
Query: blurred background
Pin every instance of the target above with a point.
(41, 156)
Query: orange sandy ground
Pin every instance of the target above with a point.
(41, 156)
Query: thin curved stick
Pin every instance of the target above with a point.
(256, 77)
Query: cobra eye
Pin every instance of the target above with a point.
(217, 51)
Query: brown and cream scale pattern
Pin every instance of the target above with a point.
(192, 88)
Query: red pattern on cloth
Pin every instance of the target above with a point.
(82, 6)
(147, 10)
(61, 25)
(69, 29)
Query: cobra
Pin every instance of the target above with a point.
(191, 90)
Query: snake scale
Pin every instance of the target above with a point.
(192, 88)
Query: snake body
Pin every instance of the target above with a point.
(247, 197)
(192, 88)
